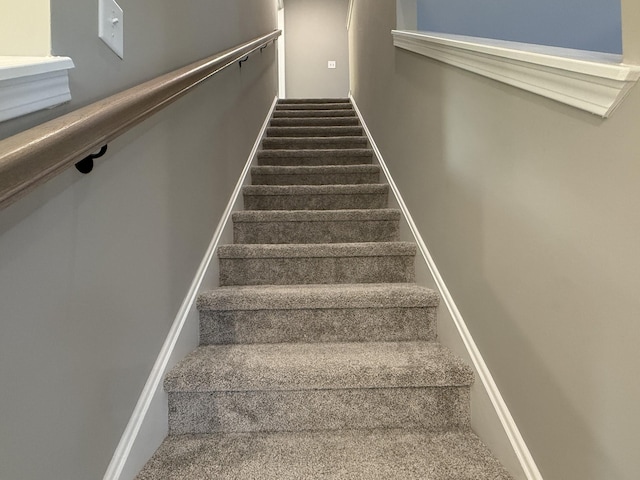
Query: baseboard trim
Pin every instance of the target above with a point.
(154, 381)
(511, 429)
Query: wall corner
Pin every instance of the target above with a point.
(631, 31)
(406, 14)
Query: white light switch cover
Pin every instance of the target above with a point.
(111, 25)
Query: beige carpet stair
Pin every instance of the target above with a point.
(318, 354)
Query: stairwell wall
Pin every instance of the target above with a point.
(631, 31)
(528, 208)
(24, 28)
(316, 33)
(94, 268)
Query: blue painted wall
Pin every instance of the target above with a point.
(582, 24)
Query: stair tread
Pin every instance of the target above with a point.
(314, 113)
(315, 131)
(322, 296)
(318, 128)
(314, 121)
(316, 139)
(314, 106)
(374, 188)
(314, 142)
(313, 169)
(285, 101)
(313, 366)
(315, 215)
(316, 226)
(317, 250)
(347, 455)
(315, 175)
(322, 152)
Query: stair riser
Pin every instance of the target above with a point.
(305, 143)
(430, 408)
(304, 270)
(314, 161)
(315, 202)
(316, 232)
(314, 131)
(320, 179)
(317, 325)
(315, 122)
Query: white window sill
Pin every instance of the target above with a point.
(591, 81)
(29, 84)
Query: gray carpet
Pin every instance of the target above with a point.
(354, 455)
(318, 354)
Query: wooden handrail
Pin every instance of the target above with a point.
(32, 157)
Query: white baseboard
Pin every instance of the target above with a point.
(152, 398)
(518, 444)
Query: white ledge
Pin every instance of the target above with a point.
(591, 81)
(29, 84)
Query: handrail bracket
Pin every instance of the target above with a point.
(86, 164)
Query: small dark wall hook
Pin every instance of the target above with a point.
(86, 164)
(243, 60)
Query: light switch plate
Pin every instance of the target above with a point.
(111, 25)
(331, 64)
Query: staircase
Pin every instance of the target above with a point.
(318, 355)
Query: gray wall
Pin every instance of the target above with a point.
(315, 32)
(529, 208)
(581, 24)
(93, 268)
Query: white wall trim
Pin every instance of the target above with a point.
(282, 86)
(188, 307)
(591, 81)
(29, 84)
(517, 442)
(350, 13)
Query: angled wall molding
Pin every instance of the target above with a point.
(590, 81)
(29, 84)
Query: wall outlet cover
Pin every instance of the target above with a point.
(331, 64)
(111, 25)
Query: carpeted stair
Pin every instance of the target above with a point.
(318, 355)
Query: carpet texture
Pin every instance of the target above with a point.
(336, 174)
(318, 354)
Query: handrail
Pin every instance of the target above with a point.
(32, 157)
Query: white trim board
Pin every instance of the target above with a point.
(282, 87)
(182, 338)
(591, 81)
(518, 444)
(29, 84)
